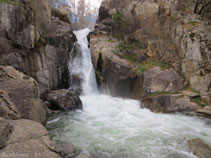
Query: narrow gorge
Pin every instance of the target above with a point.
(105, 79)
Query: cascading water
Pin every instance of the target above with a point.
(109, 127)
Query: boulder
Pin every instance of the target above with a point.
(64, 100)
(112, 71)
(20, 96)
(157, 80)
(170, 103)
(25, 138)
(62, 14)
(199, 148)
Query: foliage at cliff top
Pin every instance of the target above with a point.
(9, 1)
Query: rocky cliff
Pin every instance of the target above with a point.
(35, 43)
(167, 45)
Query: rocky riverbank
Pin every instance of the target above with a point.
(35, 43)
(159, 53)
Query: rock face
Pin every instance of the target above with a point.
(174, 32)
(157, 80)
(112, 71)
(36, 43)
(64, 100)
(20, 96)
(199, 148)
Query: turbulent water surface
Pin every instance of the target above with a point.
(109, 127)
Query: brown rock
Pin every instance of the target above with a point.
(199, 148)
(64, 100)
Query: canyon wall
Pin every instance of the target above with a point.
(167, 45)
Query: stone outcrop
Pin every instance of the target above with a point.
(20, 96)
(25, 138)
(64, 100)
(111, 70)
(199, 148)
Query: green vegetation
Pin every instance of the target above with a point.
(126, 46)
(118, 17)
(199, 101)
(119, 24)
(149, 64)
(194, 23)
(161, 93)
(9, 1)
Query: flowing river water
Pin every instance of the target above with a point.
(109, 127)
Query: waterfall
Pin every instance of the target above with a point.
(110, 127)
(82, 66)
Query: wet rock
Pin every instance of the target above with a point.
(20, 95)
(111, 70)
(157, 80)
(68, 150)
(76, 76)
(64, 100)
(199, 148)
(170, 103)
(27, 139)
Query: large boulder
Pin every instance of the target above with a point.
(111, 70)
(157, 80)
(25, 138)
(199, 148)
(20, 96)
(64, 100)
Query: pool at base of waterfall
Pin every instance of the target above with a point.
(109, 127)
